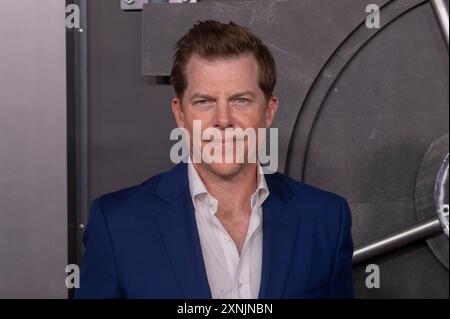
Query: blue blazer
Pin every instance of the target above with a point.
(142, 242)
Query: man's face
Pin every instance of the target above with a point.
(223, 93)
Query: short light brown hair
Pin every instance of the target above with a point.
(212, 39)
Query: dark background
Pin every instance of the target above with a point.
(358, 109)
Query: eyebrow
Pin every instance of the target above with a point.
(243, 93)
(203, 96)
(209, 97)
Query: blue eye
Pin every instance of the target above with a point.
(242, 101)
(203, 103)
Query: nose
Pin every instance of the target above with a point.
(223, 117)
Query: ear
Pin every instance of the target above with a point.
(271, 110)
(177, 111)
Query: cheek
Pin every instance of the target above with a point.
(250, 118)
(205, 118)
(259, 120)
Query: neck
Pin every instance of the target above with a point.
(234, 191)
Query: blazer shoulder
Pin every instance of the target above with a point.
(132, 196)
(317, 205)
(309, 192)
(312, 200)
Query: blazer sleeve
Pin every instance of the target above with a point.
(98, 273)
(341, 284)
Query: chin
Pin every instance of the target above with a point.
(224, 169)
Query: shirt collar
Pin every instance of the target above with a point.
(198, 189)
(196, 185)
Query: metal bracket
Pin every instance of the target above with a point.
(441, 11)
(131, 5)
(422, 230)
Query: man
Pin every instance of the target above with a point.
(219, 229)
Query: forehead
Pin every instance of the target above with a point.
(238, 72)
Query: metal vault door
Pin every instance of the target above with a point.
(359, 109)
(363, 113)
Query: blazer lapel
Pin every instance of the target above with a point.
(178, 230)
(279, 235)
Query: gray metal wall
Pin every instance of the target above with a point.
(33, 169)
(358, 108)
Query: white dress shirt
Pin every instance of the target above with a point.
(230, 276)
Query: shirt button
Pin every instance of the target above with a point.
(227, 240)
(240, 285)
